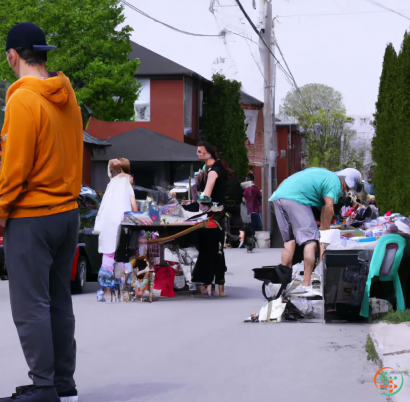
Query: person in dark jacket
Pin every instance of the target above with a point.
(210, 267)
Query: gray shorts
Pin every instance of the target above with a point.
(296, 222)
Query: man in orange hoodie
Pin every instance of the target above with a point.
(40, 180)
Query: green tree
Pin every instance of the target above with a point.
(224, 123)
(385, 143)
(400, 132)
(321, 114)
(92, 50)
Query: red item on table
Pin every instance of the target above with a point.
(165, 278)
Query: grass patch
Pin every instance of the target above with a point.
(395, 317)
(372, 353)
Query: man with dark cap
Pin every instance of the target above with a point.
(40, 181)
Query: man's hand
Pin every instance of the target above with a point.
(3, 222)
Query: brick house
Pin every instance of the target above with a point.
(170, 105)
(289, 160)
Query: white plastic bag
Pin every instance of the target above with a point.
(244, 214)
(278, 307)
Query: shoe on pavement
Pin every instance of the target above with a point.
(35, 394)
(70, 396)
(300, 290)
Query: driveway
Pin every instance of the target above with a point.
(200, 350)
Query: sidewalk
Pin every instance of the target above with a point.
(389, 340)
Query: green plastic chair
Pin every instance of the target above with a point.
(385, 264)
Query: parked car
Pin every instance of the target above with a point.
(87, 260)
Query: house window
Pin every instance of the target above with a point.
(188, 94)
(142, 105)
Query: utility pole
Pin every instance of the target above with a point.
(269, 135)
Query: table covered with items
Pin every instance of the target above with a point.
(364, 272)
(156, 252)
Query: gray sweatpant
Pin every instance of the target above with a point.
(39, 254)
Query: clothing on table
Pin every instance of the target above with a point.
(309, 187)
(116, 201)
(295, 222)
(39, 252)
(351, 176)
(42, 148)
(253, 199)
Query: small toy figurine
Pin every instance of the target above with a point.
(141, 283)
(127, 281)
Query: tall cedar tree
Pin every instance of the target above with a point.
(224, 123)
(386, 143)
(401, 133)
(92, 50)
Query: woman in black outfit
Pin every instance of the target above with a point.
(210, 267)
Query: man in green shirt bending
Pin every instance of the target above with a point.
(293, 201)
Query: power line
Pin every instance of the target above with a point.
(387, 8)
(288, 74)
(221, 34)
(257, 64)
(284, 60)
(331, 14)
(242, 36)
(257, 32)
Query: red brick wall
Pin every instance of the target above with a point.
(257, 172)
(297, 153)
(167, 114)
(283, 164)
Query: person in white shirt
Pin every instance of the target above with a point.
(119, 198)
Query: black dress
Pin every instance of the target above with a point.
(210, 266)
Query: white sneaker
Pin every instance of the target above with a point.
(300, 290)
(69, 399)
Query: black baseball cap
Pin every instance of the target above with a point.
(27, 35)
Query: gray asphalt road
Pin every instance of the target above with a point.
(199, 349)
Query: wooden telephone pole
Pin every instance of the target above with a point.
(269, 136)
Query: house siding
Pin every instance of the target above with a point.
(167, 114)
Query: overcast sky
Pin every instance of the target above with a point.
(344, 51)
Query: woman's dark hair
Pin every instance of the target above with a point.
(251, 177)
(212, 151)
(209, 148)
(31, 56)
(229, 172)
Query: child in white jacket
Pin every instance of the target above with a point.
(118, 198)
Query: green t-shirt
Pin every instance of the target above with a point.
(310, 187)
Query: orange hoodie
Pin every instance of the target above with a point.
(42, 148)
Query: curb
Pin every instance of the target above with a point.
(388, 361)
